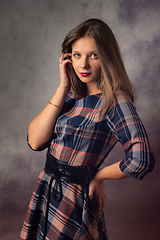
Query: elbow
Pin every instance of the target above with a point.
(32, 144)
(147, 167)
(151, 162)
(138, 168)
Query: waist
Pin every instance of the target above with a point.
(72, 174)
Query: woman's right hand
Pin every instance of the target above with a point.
(41, 127)
(63, 61)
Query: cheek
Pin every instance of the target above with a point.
(74, 66)
(98, 70)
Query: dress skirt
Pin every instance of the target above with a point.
(73, 217)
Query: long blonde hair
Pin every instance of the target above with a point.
(113, 73)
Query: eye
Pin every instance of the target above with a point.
(76, 55)
(94, 55)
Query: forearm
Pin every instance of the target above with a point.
(41, 127)
(110, 172)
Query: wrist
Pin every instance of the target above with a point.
(62, 91)
(63, 88)
(99, 177)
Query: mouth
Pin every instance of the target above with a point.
(85, 74)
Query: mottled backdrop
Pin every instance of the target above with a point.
(31, 32)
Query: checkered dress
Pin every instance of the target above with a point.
(84, 137)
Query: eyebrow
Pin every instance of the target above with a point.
(75, 51)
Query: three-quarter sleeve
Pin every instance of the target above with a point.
(130, 132)
(46, 145)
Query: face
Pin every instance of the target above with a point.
(85, 61)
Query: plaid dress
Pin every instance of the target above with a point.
(84, 137)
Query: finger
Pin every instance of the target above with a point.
(90, 194)
(104, 202)
(101, 205)
(65, 61)
(65, 56)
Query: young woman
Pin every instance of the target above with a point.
(91, 110)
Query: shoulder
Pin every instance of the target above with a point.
(122, 107)
(121, 100)
(120, 96)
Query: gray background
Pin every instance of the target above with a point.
(31, 33)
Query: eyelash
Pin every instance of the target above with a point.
(95, 55)
(77, 55)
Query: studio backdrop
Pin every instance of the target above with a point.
(31, 33)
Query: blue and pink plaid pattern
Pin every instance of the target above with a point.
(83, 136)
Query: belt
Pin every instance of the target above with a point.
(60, 171)
(63, 172)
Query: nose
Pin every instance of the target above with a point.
(84, 62)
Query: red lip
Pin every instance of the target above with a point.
(85, 74)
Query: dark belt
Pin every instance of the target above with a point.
(63, 172)
(60, 171)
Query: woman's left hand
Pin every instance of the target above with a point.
(98, 188)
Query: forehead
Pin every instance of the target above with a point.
(84, 44)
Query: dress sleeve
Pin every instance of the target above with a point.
(47, 144)
(130, 132)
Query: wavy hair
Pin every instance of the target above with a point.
(113, 73)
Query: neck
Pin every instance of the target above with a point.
(91, 90)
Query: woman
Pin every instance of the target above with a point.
(91, 110)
